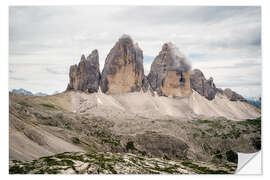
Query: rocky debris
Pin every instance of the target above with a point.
(233, 96)
(169, 74)
(86, 75)
(204, 87)
(113, 163)
(55, 131)
(161, 145)
(123, 70)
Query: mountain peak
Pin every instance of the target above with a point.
(171, 73)
(83, 57)
(85, 77)
(123, 70)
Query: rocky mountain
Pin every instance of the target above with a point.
(233, 96)
(25, 92)
(40, 94)
(86, 75)
(169, 74)
(172, 121)
(204, 87)
(22, 91)
(123, 70)
(256, 101)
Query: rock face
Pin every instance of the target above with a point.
(123, 70)
(86, 75)
(203, 86)
(233, 96)
(146, 86)
(176, 84)
(169, 74)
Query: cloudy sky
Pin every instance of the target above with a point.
(224, 42)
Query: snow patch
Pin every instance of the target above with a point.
(99, 101)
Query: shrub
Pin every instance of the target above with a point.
(256, 142)
(130, 145)
(219, 156)
(232, 156)
(49, 106)
(76, 140)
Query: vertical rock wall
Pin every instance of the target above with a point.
(170, 72)
(123, 70)
(86, 75)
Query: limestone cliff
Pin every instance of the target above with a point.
(204, 87)
(176, 84)
(123, 70)
(86, 75)
(169, 74)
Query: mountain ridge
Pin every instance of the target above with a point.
(171, 73)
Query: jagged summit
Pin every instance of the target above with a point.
(86, 75)
(169, 74)
(179, 60)
(123, 72)
(125, 38)
(83, 57)
(204, 87)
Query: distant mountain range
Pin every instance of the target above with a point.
(22, 91)
(256, 101)
(25, 92)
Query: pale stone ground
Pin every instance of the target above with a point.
(132, 114)
(145, 105)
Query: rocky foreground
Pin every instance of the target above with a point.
(114, 163)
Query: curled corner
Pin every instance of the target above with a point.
(249, 164)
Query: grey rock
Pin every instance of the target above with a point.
(168, 59)
(86, 75)
(146, 86)
(204, 87)
(233, 96)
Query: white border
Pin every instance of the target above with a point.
(4, 75)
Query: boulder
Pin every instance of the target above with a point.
(169, 74)
(86, 75)
(204, 87)
(123, 70)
